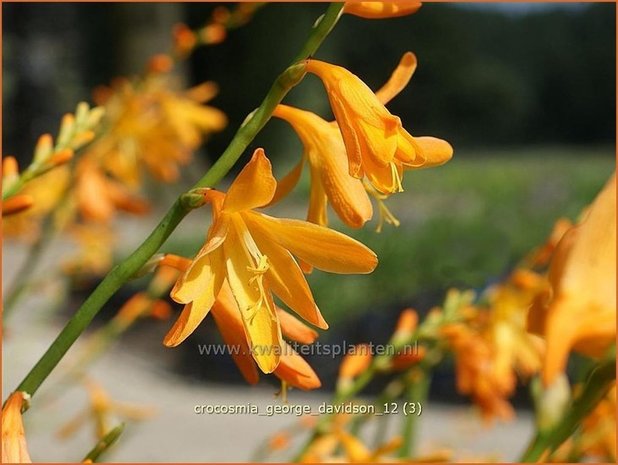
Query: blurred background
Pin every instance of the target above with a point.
(525, 93)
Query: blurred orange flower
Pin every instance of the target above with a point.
(98, 196)
(150, 124)
(355, 362)
(14, 447)
(377, 10)
(580, 311)
(253, 252)
(476, 373)
(376, 143)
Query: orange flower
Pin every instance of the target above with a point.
(253, 252)
(325, 151)
(99, 196)
(476, 373)
(377, 10)
(581, 310)
(14, 447)
(376, 143)
(330, 181)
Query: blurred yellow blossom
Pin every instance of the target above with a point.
(45, 191)
(149, 124)
(579, 312)
(101, 410)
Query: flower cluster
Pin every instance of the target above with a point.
(365, 150)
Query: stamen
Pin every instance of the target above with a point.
(257, 280)
(395, 175)
(385, 214)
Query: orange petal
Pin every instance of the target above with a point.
(14, 447)
(406, 324)
(399, 79)
(16, 204)
(294, 329)
(227, 317)
(321, 247)
(350, 138)
(317, 200)
(254, 187)
(356, 362)
(347, 194)
(435, 151)
(194, 312)
(295, 371)
(204, 276)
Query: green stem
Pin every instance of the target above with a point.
(418, 388)
(104, 444)
(132, 264)
(600, 380)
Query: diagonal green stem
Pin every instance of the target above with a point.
(417, 390)
(104, 444)
(134, 262)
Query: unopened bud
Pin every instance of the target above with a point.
(406, 325)
(175, 261)
(61, 157)
(43, 149)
